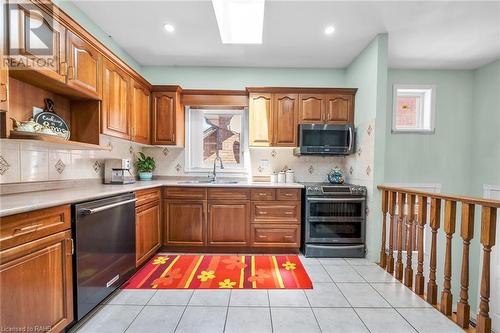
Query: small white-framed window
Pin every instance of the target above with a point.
(413, 108)
(212, 132)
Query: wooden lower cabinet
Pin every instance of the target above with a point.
(185, 222)
(147, 231)
(275, 235)
(228, 223)
(36, 285)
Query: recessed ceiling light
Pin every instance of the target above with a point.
(240, 21)
(168, 27)
(329, 30)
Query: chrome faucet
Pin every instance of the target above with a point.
(217, 158)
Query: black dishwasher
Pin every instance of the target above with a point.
(104, 232)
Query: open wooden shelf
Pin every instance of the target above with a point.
(53, 140)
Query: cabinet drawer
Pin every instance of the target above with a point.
(276, 211)
(25, 227)
(288, 194)
(263, 194)
(223, 193)
(195, 193)
(278, 235)
(147, 196)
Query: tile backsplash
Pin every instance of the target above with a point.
(23, 161)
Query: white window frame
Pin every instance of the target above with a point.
(430, 103)
(242, 169)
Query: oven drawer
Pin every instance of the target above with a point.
(336, 232)
(277, 235)
(276, 211)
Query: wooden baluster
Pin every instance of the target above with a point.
(467, 233)
(383, 255)
(409, 238)
(399, 262)
(434, 223)
(390, 256)
(450, 214)
(422, 218)
(488, 232)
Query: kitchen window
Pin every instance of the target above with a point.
(212, 132)
(413, 108)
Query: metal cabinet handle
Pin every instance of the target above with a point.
(27, 229)
(4, 91)
(90, 211)
(288, 213)
(263, 213)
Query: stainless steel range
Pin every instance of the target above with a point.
(334, 220)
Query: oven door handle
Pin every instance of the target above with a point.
(350, 138)
(90, 211)
(335, 199)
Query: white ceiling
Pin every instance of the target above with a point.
(444, 35)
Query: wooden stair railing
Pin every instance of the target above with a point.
(401, 204)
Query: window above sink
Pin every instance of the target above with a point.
(212, 130)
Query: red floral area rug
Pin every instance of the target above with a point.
(214, 272)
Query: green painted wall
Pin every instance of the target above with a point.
(241, 77)
(72, 10)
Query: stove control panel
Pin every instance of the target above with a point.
(329, 189)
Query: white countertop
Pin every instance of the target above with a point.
(24, 202)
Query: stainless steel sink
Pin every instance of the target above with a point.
(209, 181)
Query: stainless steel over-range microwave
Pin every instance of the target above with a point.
(321, 139)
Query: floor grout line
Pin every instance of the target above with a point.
(182, 315)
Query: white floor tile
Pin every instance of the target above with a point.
(375, 274)
(398, 295)
(309, 261)
(362, 295)
(249, 298)
(326, 295)
(339, 320)
(429, 320)
(317, 273)
(171, 297)
(294, 320)
(111, 319)
(333, 261)
(288, 298)
(248, 320)
(359, 262)
(156, 319)
(384, 321)
(131, 297)
(210, 297)
(202, 319)
(343, 274)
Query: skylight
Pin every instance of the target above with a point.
(240, 21)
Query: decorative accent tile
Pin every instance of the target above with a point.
(369, 130)
(60, 166)
(351, 170)
(310, 169)
(4, 165)
(274, 153)
(97, 166)
(131, 150)
(368, 170)
(178, 167)
(165, 151)
(359, 151)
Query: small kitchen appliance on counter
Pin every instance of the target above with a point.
(117, 171)
(334, 220)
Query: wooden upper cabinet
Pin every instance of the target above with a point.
(339, 109)
(168, 119)
(140, 113)
(311, 108)
(285, 120)
(37, 284)
(83, 65)
(24, 41)
(228, 223)
(115, 102)
(260, 120)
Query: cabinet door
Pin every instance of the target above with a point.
(285, 120)
(311, 108)
(115, 103)
(186, 223)
(260, 120)
(164, 118)
(38, 40)
(339, 109)
(147, 231)
(37, 285)
(83, 65)
(228, 223)
(139, 113)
